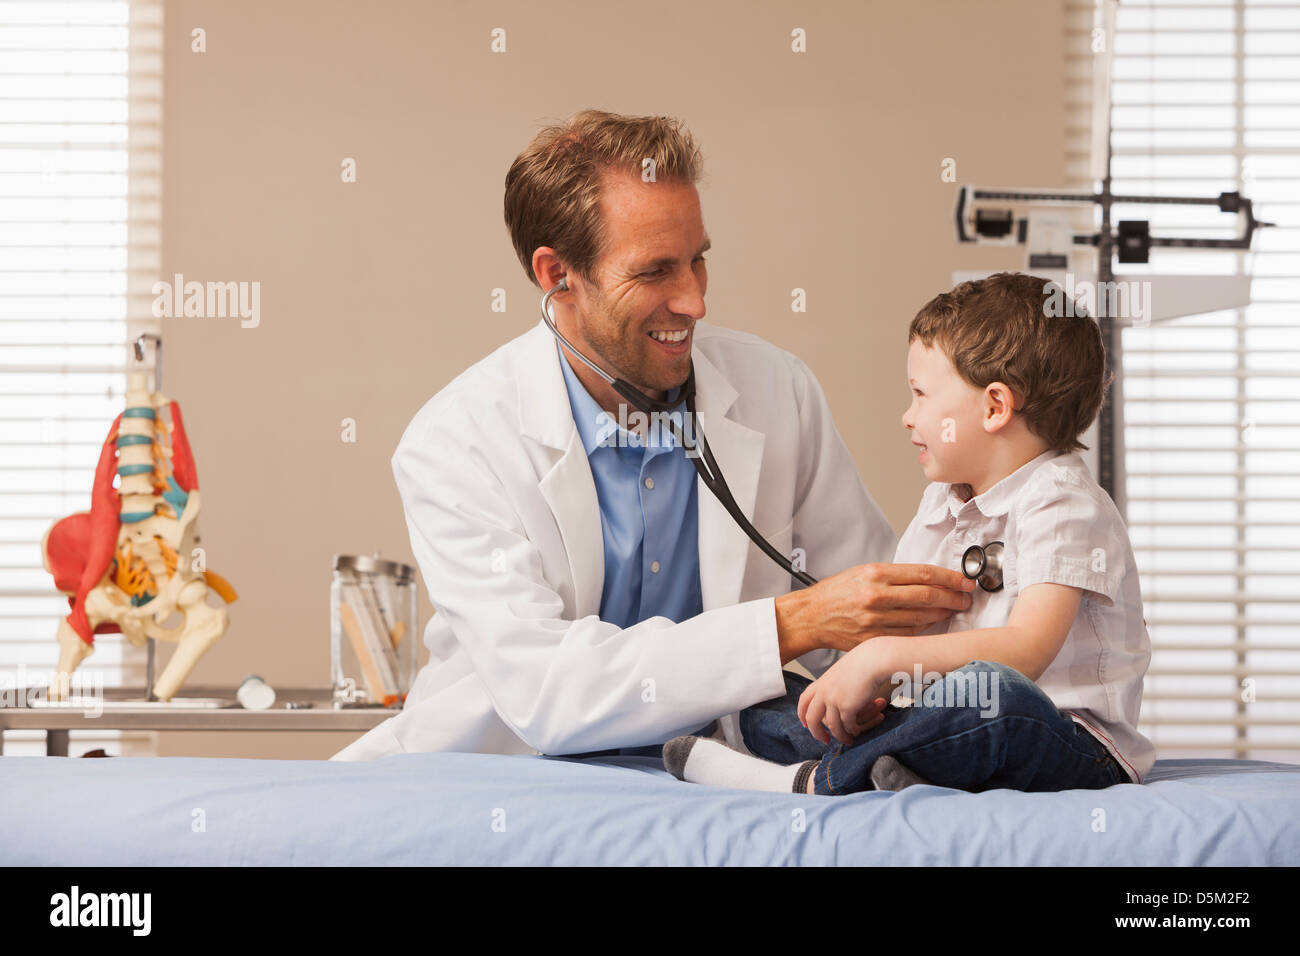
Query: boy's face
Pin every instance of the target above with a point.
(945, 416)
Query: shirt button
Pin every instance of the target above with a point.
(649, 482)
(654, 567)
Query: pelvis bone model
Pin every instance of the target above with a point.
(132, 562)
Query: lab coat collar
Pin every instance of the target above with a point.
(546, 416)
(993, 502)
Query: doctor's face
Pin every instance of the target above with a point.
(652, 282)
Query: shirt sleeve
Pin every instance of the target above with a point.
(1068, 533)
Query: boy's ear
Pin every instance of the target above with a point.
(999, 404)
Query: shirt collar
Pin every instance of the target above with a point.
(595, 425)
(995, 501)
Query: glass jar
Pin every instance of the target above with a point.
(373, 634)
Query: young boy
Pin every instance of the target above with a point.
(1037, 685)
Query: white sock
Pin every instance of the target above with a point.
(714, 764)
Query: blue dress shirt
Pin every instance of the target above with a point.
(648, 514)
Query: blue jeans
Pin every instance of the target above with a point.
(984, 726)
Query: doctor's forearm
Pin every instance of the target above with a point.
(808, 620)
(796, 626)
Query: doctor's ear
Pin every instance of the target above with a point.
(1000, 402)
(550, 270)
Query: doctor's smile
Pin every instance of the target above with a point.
(674, 343)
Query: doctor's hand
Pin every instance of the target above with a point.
(869, 600)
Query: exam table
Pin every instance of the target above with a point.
(452, 808)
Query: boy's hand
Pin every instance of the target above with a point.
(850, 697)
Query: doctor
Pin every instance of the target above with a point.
(591, 593)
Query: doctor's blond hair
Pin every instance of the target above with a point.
(1001, 329)
(553, 186)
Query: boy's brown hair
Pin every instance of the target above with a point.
(1001, 329)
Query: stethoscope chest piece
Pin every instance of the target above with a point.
(984, 565)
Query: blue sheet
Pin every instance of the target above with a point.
(482, 809)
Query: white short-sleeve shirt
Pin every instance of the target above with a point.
(1058, 526)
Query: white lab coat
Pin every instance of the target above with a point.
(505, 526)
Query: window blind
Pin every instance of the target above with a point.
(1206, 99)
(80, 152)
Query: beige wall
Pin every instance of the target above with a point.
(821, 171)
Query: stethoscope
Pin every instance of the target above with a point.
(712, 477)
(984, 565)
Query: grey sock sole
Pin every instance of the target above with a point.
(888, 774)
(806, 770)
(675, 753)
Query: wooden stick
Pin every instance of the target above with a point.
(377, 689)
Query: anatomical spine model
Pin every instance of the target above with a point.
(128, 564)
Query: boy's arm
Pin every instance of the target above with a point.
(1036, 629)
